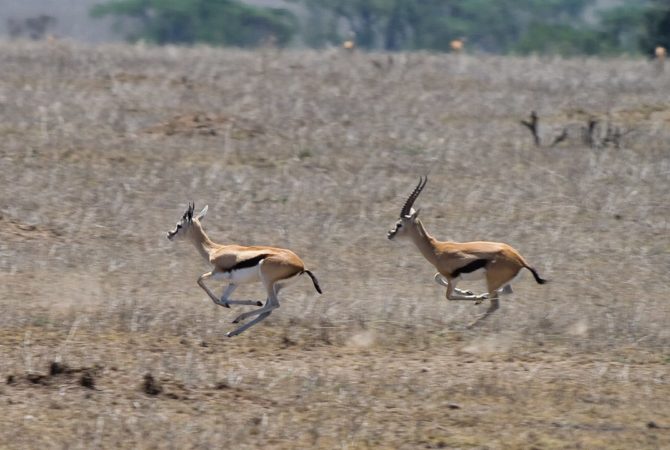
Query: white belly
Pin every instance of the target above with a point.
(478, 274)
(240, 276)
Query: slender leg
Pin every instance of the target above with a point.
(505, 290)
(457, 294)
(225, 298)
(241, 317)
(439, 279)
(495, 304)
(237, 331)
(201, 283)
(265, 311)
(272, 303)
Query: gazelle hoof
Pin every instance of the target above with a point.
(259, 303)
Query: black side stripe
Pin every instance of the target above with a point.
(251, 262)
(471, 267)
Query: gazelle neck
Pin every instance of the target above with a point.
(200, 239)
(424, 241)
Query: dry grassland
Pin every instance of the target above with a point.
(106, 341)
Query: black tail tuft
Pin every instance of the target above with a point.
(537, 277)
(314, 280)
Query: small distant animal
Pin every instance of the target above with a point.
(349, 44)
(495, 262)
(237, 264)
(660, 54)
(457, 45)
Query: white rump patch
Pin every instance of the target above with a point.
(240, 276)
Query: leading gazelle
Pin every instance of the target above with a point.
(498, 263)
(238, 264)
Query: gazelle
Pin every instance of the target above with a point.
(660, 54)
(496, 262)
(457, 45)
(238, 264)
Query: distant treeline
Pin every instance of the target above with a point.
(567, 27)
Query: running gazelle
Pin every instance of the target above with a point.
(238, 264)
(496, 262)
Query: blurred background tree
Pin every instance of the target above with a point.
(489, 25)
(566, 27)
(227, 22)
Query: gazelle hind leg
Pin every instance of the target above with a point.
(495, 304)
(237, 331)
(263, 312)
(269, 306)
(495, 280)
(272, 303)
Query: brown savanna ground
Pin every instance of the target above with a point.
(102, 148)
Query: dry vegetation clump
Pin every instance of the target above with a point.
(206, 124)
(101, 149)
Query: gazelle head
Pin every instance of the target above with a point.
(185, 225)
(408, 214)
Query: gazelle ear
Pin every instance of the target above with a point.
(415, 213)
(202, 213)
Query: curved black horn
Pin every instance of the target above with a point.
(191, 207)
(412, 197)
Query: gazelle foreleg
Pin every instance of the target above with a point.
(225, 298)
(201, 283)
(457, 294)
(439, 279)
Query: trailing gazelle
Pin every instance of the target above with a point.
(238, 264)
(496, 262)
